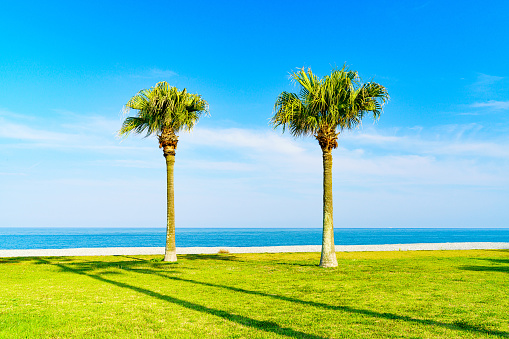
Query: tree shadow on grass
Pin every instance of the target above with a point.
(225, 257)
(300, 264)
(498, 261)
(457, 325)
(134, 258)
(85, 266)
(15, 260)
(222, 256)
(499, 267)
(267, 326)
(503, 269)
(33, 260)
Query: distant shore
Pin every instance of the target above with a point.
(262, 249)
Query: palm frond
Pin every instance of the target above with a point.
(163, 107)
(328, 105)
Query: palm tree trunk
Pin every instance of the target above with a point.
(328, 258)
(170, 253)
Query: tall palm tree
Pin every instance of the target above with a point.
(164, 110)
(324, 108)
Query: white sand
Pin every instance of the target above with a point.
(268, 249)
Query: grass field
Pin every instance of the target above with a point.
(420, 294)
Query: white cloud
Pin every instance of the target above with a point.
(3, 173)
(486, 79)
(92, 124)
(415, 170)
(82, 132)
(131, 163)
(228, 166)
(421, 6)
(16, 131)
(235, 138)
(485, 83)
(478, 149)
(493, 104)
(407, 159)
(371, 138)
(457, 131)
(454, 140)
(248, 177)
(161, 73)
(155, 73)
(488, 87)
(9, 114)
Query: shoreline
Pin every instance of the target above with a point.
(262, 249)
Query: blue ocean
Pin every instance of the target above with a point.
(49, 238)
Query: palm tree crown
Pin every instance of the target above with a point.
(326, 106)
(163, 110)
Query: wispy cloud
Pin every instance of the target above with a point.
(156, 73)
(493, 104)
(248, 174)
(96, 134)
(487, 86)
(468, 113)
(457, 131)
(82, 132)
(413, 159)
(480, 149)
(421, 6)
(226, 166)
(9, 130)
(486, 79)
(12, 115)
(131, 163)
(372, 138)
(253, 140)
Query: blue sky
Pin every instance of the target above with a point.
(438, 156)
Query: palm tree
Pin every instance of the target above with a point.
(323, 109)
(164, 110)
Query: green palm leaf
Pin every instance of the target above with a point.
(161, 108)
(329, 105)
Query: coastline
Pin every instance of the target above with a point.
(261, 249)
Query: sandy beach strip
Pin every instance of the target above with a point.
(264, 249)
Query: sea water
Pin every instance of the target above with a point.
(49, 238)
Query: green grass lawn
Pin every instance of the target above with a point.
(420, 294)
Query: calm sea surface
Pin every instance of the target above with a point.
(41, 238)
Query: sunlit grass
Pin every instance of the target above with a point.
(414, 294)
